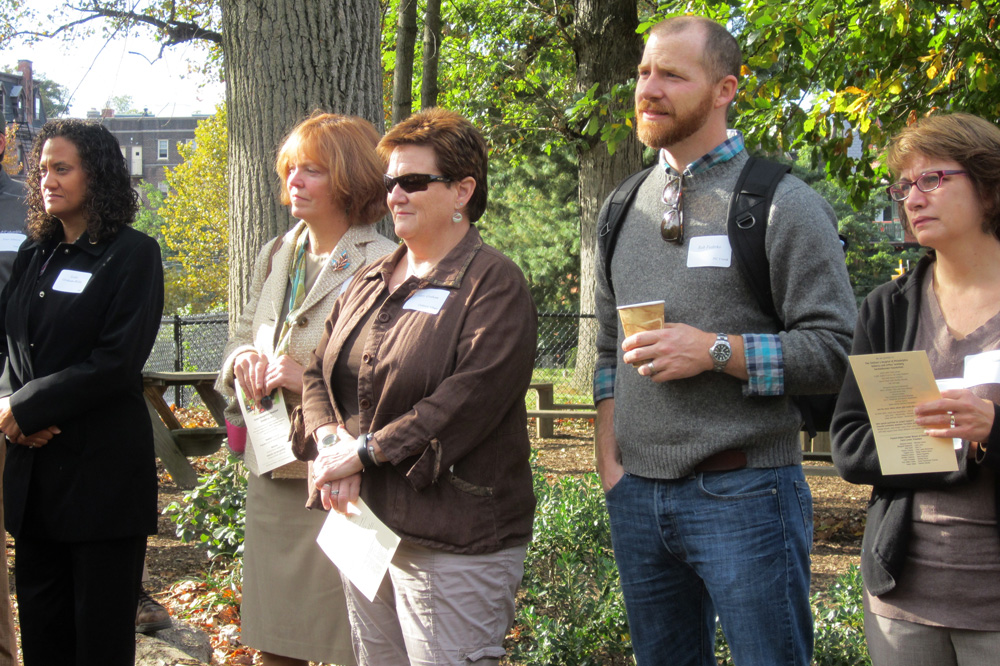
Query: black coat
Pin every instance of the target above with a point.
(887, 322)
(75, 361)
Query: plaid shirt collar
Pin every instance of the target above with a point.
(725, 151)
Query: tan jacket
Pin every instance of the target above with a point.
(443, 394)
(259, 324)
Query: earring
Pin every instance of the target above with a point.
(457, 217)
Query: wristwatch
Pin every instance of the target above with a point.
(720, 352)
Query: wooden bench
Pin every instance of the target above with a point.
(174, 444)
(548, 410)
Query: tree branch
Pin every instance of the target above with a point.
(173, 31)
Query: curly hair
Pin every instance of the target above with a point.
(110, 202)
(458, 146)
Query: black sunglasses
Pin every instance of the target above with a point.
(412, 182)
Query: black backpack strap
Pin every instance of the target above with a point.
(749, 208)
(621, 200)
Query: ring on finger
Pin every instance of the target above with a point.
(952, 420)
(334, 492)
(649, 366)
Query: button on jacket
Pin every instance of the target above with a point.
(443, 395)
(75, 361)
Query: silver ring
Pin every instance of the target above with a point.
(334, 492)
(650, 367)
(952, 420)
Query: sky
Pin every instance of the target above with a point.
(94, 70)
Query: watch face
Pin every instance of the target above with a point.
(721, 352)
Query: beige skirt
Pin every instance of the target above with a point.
(293, 599)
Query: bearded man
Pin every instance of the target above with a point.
(697, 439)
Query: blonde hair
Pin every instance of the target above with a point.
(345, 147)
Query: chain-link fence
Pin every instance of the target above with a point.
(194, 343)
(561, 336)
(189, 343)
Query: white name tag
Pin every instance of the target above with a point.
(427, 300)
(71, 282)
(10, 242)
(710, 251)
(343, 287)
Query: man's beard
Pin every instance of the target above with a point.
(657, 135)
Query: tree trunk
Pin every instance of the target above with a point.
(402, 78)
(282, 61)
(432, 53)
(598, 24)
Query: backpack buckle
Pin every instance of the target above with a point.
(746, 220)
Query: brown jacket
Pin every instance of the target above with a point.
(443, 395)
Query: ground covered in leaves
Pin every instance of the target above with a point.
(182, 578)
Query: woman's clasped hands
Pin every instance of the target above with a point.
(258, 377)
(13, 432)
(337, 469)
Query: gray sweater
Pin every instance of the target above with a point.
(664, 430)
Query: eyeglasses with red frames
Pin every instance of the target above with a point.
(412, 182)
(672, 225)
(928, 181)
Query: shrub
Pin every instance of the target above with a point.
(214, 512)
(571, 611)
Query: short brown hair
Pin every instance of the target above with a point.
(960, 137)
(345, 147)
(721, 56)
(458, 146)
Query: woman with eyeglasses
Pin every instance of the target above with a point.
(293, 607)
(931, 552)
(415, 401)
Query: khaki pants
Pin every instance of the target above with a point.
(900, 643)
(436, 608)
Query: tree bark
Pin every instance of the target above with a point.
(402, 77)
(431, 55)
(282, 61)
(598, 24)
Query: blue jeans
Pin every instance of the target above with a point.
(728, 544)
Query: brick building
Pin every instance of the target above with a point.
(148, 142)
(21, 103)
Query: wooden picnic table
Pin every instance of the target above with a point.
(549, 410)
(174, 444)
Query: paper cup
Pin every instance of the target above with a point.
(641, 317)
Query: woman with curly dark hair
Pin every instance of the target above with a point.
(77, 321)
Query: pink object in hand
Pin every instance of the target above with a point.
(236, 437)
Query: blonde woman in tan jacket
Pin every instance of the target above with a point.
(293, 607)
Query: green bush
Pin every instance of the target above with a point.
(213, 514)
(571, 611)
(840, 625)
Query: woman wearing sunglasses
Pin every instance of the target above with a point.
(293, 607)
(415, 397)
(931, 552)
